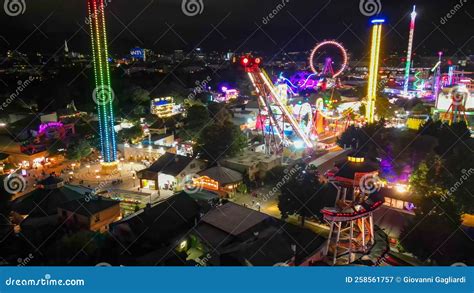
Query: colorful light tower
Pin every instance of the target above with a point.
(374, 68)
(437, 77)
(409, 51)
(103, 94)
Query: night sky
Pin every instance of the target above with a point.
(162, 26)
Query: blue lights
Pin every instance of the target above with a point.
(377, 21)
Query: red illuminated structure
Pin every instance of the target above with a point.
(273, 113)
(351, 219)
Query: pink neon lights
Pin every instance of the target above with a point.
(329, 43)
(45, 126)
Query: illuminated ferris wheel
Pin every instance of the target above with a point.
(321, 50)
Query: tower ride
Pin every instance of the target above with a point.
(103, 93)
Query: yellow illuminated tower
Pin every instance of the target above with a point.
(374, 68)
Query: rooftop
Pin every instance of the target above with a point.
(90, 207)
(169, 164)
(237, 218)
(222, 175)
(249, 158)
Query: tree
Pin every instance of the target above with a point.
(79, 149)
(5, 209)
(131, 134)
(440, 188)
(220, 140)
(383, 108)
(420, 109)
(197, 117)
(303, 195)
(450, 135)
(139, 95)
(363, 139)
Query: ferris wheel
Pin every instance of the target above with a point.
(320, 50)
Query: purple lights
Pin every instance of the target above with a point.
(45, 126)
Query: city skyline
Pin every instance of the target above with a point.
(246, 27)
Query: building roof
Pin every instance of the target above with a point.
(242, 236)
(160, 222)
(349, 169)
(169, 164)
(250, 158)
(222, 175)
(45, 201)
(89, 207)
(237, 218)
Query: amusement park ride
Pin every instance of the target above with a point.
(273, 113)
(351, 219)
(285, 125)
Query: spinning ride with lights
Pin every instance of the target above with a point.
(326, 120)
(328, 69)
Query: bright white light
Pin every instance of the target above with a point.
(299, 144)
(401, 188)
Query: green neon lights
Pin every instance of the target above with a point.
(103, 93)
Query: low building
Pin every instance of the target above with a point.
(170, 172)
(237, 236)
(255, 164)
(46, 198)
(150, 149)
(219, 178)
(36, 213)
(95, 214)
(157, 227)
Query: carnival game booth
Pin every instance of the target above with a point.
(351, 219)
